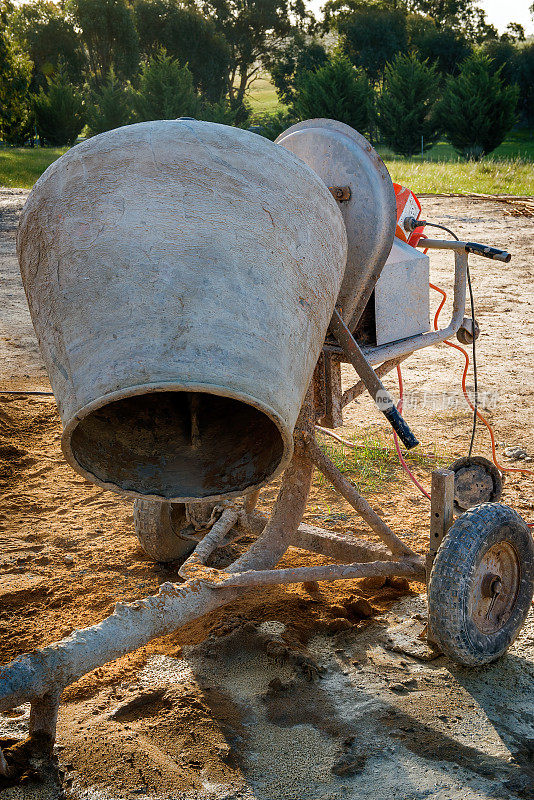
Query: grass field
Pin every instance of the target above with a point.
(508, 170)
(263, 98)
(21, 166)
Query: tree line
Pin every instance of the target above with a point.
(404, 72)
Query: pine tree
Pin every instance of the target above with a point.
(59, 112)
(478, 108)
(16, 114)
(335, 91)
(407, 105)
(109, 107)
(166, 90)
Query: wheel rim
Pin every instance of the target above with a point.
(495, 588)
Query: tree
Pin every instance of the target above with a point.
(514, 32)
(525, 66)
(448, 48)
(336, 91)
(459, 15)
(60, 112)
(407, 105)
(253, 29)
(505, 56)
(166, 90)
(109, 107)
(109, 36)
(44, 32)
(371, 36)
(190, 38)
(16, 117)
(298, 55)
(478, 108)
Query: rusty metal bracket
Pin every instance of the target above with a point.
(340, 193)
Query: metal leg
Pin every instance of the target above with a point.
(350, 493)
(441, 519)
(441, 512)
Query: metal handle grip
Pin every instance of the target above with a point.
(487, 252)
(401, 427)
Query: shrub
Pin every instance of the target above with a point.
(272, 125)
(224, 113)
(16, 114)
(60, 112)
(478, 108)
(336, 91)
(109, 107)
(166, 90)
(407, 105)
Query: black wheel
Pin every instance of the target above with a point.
(481, 584)
(158, 525)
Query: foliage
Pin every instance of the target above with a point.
(407, 105)
(16, 118)
(462, 15)
(514, 33)
(253, 29)
(371, 36)
(48, 37)
(525, 66)
(448, 48)
(188, 37)
(109, 36)
(60, 112)
(299, 54)
(109, 106)
(272, 125)
(478, 108)
(166, 90)
(504, 56)
(336, 91)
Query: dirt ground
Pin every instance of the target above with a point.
(209, 712)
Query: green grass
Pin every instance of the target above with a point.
(263, 98)
(374, 460)
(21, 166)
(508, 170)
(490, 176)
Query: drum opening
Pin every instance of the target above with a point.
(177, 445)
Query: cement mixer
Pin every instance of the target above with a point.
(194, 289)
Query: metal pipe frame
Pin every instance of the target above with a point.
(404, 347)
(40, 677)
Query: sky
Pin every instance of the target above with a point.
(498, 12)
(501, 12)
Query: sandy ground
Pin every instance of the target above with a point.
(208, 712)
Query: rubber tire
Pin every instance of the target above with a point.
(451, 578)
(156, 524)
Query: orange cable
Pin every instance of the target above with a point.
(468, 401)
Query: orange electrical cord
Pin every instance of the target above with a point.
(468, 401)
(404, 465)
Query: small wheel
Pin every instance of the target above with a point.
(476, 481)
(481, 584)
(158, 525)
